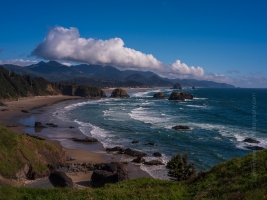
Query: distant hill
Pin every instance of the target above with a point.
(106, 76)
(13, 86)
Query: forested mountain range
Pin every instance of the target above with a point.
(105, 76)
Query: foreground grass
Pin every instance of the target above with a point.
(145, 188)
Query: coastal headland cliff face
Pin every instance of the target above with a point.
(13, 86)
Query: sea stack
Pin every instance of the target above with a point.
(159, 95)
(177, 86)
(180, 96)
(119, 93)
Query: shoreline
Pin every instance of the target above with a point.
(13, 114)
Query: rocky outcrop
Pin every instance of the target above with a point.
(180, 127)
(250, 140)
(159, 95)
(153, 162)
(108, 173)
(128, 151)
(87, 139)
(138, 160)
(51, 124)
(79, 167)
(157, 154)
(135, 142)
(119, 93)
(2, 104)
(83, 91)
(115, 149)
(60, 179)
(150, 143)
(180, 96)
(131, 152)
(177, 86)
(255, 148)
(38, 125)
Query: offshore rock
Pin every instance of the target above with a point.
(250, 140)
(108, 173)
(255, 148)
(115, 149)
(177, 86)
(39, 125)
(119, 93)
(159, 95)
(131, 152)
(180, 127)
(180, 96)
(157, 154)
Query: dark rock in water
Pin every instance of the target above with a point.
(159, 95)
(119, 93)
(115, 149)
(108, 173)
(180, 127)
(250, 140)
(60, 179)
(2, 104)
(256, 148)
(25, 111)
(153, 162)
(87, 139)
(131, 152)
(150, 143)
(138, 160)
(177, 86)
(180, 96)
(71, 127)
(157, 154)
(51, 124)
(135, 141)
(39, 125)
(193, 88)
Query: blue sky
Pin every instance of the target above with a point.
(227, 40)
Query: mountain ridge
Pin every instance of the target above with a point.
(57, 72)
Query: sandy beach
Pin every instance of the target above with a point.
(13, 110)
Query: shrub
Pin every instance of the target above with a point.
(179, 168)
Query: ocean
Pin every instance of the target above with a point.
(219, 121)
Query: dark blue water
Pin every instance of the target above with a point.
(219, 121)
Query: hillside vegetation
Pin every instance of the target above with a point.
(24, 157)
(239, 178)
(13, 86)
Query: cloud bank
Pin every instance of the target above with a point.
(19, 62)
(66, 44)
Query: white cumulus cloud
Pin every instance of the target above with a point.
(66, 44)
(19, 62)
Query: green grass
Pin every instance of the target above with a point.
(238, 179)
(16, 150)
